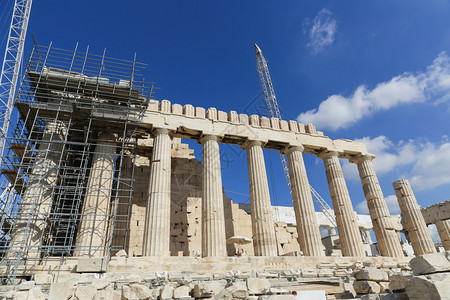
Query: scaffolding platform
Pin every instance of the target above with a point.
(66, 101)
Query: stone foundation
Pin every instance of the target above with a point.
(191, 277)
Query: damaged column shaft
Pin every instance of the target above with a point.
(93, 228)
(387, 237)
(308, 230)
(42, 180)
(264, 240)
(347, 223)
(443, 228)
(413, 219)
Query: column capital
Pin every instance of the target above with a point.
(106, 136)
(327, 153)
(361, 157)
(158, 131)
(249, 143)
(208, 137)
(400, 184)
(292, 148)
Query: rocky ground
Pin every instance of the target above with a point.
(426, 277)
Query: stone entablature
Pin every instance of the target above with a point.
(437, 212)
(189, 122)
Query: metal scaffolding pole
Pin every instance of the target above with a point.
(66, 100)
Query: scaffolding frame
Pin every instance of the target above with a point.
(66, 98)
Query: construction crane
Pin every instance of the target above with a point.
(274, 112)
(11, 66)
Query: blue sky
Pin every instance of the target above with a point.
(377, 71)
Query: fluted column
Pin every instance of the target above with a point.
(443, 228)
(157, 217)
(93, 227)
(387, 237)
(32, 218)
(120, 238)
(264, 240)
(213, 217)
(347, 223)
(418, 233)
(308, 230)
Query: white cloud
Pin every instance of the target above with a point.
(361, 208)
(434, 233)
(391, 202)
(321, 32)
(425, 164)
(432, 167)
(340, 112)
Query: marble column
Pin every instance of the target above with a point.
(443, 228)
(94, 221)
(387, 237)
(213, 216)
(157, 217)
(347, 223)
(120, 238)
(30, 224)
(264, 240)
(307, 227)
(413, 219)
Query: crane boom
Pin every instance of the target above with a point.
(11, 66)
(274, 112)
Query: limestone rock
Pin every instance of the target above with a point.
(279, 297)
(35, 293)
(129, 278)
(85, 292)
(167, 291)
(278, 291)
(141, 291)
(325, 273)
(105, 294)
(26, 285)
(397, 282)
(237, 290)
(92, 264)
(121, 253)
(21, 295)
(117, 295)
(384, 286)
(371, 273)
(127, 294)
(430, 287)
(207, 289)
(61, 290)
(100, 284)
(366, 287)
(348, 293)
(369, 263)
(181, 292)
(309, 273)
(404, 266)
(258, 286)
(41, 278)
(431, 263)
(394, 296)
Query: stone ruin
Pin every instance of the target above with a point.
(112, 205)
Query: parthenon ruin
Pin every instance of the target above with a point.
(98, 169)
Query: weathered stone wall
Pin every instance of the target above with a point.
(437, 212)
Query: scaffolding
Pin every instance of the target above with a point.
(57, 157)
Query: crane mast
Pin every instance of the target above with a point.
(11, 66)
(274, 112)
